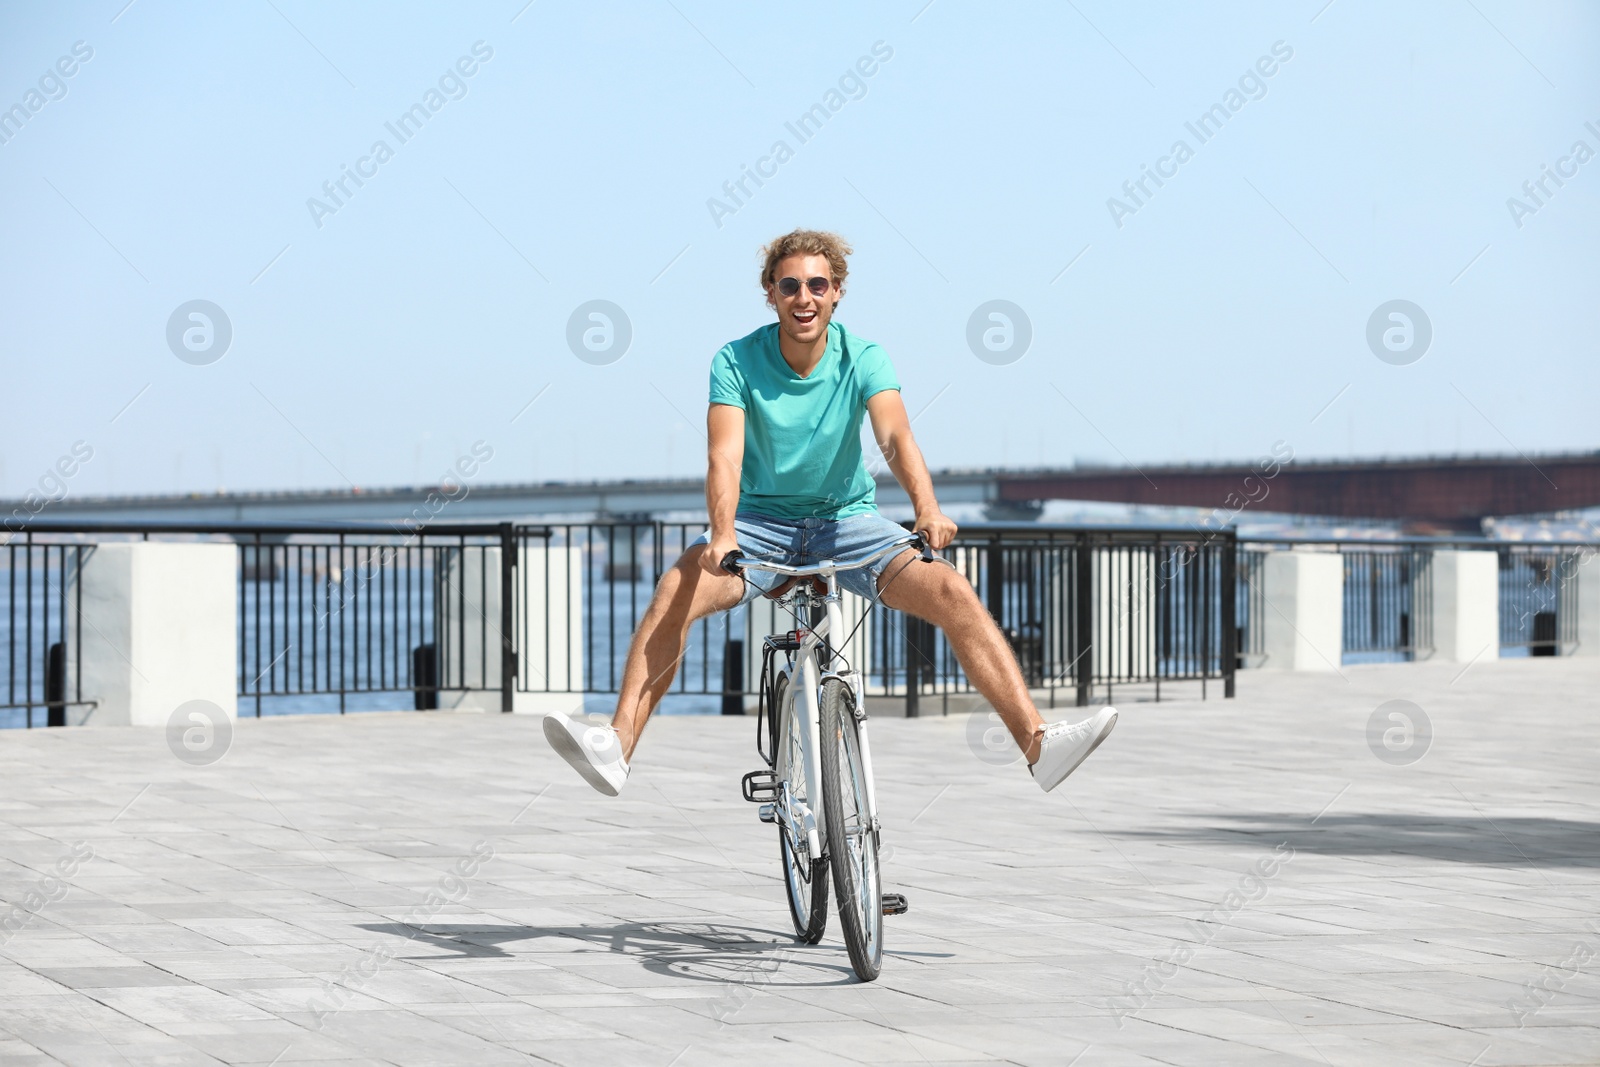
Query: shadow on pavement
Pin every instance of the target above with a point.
(702, 952)
(1512, 841)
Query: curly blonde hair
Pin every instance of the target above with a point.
(807, 243)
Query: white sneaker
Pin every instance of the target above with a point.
(1065, 745)
(594, 751)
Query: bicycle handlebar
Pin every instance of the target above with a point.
(734, 563)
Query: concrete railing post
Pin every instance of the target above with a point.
(1582, 586)
(160, 628)
(470, 621)
(1466, 606)
(550, 628)
(1303, 625)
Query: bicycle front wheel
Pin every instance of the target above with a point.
(805, 878)
(852, 845)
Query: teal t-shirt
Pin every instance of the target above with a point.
(802, 436)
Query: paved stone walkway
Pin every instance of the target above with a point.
(1227, 883)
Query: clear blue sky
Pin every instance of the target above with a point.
(1223, 315)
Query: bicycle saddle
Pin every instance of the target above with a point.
(819, 587)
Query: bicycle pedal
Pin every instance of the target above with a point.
(760, 787)
(767, 813)
(895, 904)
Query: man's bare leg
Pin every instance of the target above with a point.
(939, 594)
(685, 595)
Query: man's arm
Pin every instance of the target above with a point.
(892, 430)
(724, 462)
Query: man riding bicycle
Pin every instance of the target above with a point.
(785, 481)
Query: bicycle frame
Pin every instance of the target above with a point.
(803, 695)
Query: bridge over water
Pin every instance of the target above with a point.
(1450, 493)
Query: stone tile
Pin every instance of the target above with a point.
(15, 1052)
(107, 977)
(410, 1040)
(262, 1042)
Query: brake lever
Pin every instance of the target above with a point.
(927, 549)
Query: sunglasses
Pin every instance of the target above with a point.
(819, 286)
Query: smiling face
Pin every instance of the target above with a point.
(803, 317)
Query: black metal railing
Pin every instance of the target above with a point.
(41, 621)
(337, 618)
(1388, 596)
(1539, 599)
(563, 614)
(336, 614)
(580, 591)
(1388, 601)
(350, 617)
(329, 617)
(1084, 611)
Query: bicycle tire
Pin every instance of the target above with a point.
(807, 896)
(857, 880)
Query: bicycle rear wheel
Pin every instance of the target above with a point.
(805, 878)
(852, 845)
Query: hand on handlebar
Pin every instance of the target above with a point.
(718, 550)
(936, 529)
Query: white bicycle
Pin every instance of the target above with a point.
(812, 732)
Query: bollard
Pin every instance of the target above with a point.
(425, 677)
(733, 676)
(55, 684)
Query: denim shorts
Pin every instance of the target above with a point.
(807, 542)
